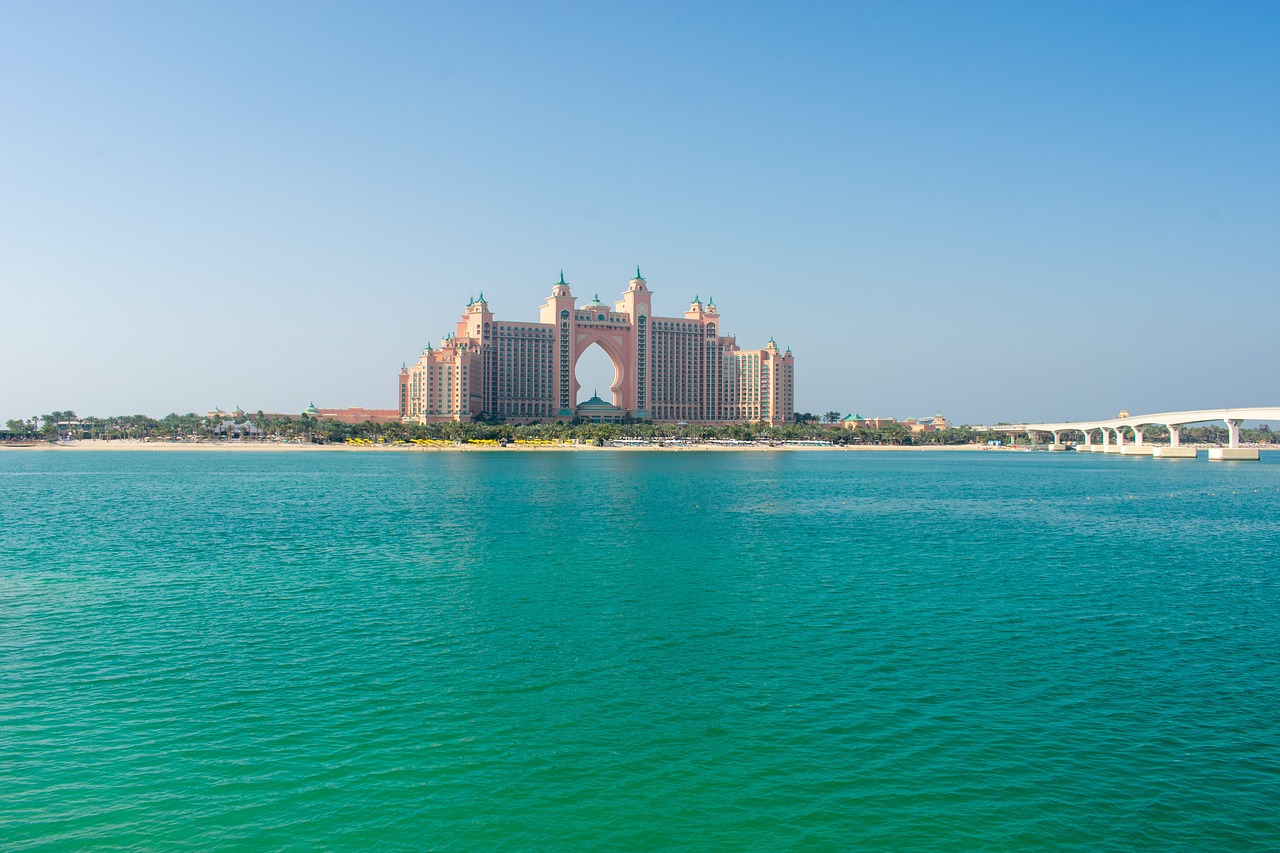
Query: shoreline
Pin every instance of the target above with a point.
(141, 446)
(138, 445)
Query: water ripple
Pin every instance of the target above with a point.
(685, 651)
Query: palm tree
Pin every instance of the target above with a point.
(894, 433)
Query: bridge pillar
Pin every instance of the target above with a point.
(1233, 450)
(1137, 448)
(1118, 445)
(1174, 450)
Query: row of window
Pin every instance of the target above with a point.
(523, 332)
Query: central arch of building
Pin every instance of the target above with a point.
(621, 330)
(613, 345)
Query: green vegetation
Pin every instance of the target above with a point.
(194, 427)
(255, 427)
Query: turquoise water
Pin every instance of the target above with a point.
(876, 651)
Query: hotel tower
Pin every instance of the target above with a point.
(665, 368)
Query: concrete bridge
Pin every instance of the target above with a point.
(1173, 421)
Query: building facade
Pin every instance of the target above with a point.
(856, 421)
(665, 368)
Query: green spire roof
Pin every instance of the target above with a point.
(562, 281)
(638, 272)
(696, 300)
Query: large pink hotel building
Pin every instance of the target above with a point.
(665, 368)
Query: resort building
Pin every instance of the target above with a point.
(349, 415)
(665, 368)
(353, 415)
(856, 421)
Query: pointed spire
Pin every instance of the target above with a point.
(595, 300)
(711, 302)
(638, 273)
(471, 301)
(562, 281)
(481, 299)
(696, 300)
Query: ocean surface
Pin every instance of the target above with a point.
(634, 651)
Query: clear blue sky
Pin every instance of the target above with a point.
(1000, 211)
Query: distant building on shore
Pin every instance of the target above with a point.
(927, 424)
(856, 421)
(666, 368)
(353, 415)
(349, 415)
